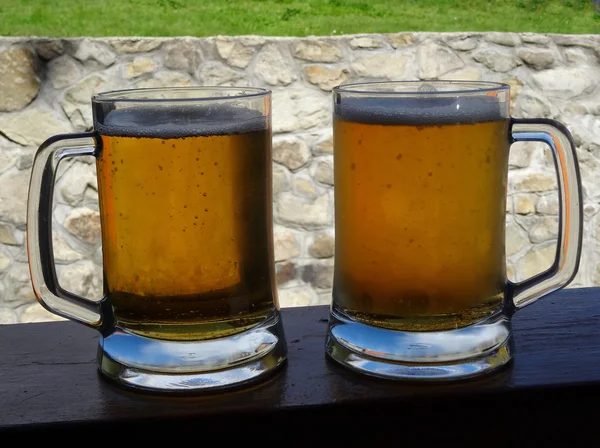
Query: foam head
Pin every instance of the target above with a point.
(179, 121)
(420, 111)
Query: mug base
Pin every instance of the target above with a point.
(142, 363)
(420, 356)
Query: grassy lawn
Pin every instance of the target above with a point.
(290, 17)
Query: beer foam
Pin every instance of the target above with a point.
(421, 111)
(180, 121)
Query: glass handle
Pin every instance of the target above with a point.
(39, 230)
(570, 227)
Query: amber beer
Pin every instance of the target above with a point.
(186, 224)
(420, 215)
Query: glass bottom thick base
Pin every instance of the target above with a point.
(138, 362)
(420, 356)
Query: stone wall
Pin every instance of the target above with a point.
(45, 89)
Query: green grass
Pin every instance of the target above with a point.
(67, 18)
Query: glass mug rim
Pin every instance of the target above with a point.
(410, 88)
(202, 93)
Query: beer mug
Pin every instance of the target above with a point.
(420, 288)
(184, 187)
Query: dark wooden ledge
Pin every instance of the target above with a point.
(49, 384)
